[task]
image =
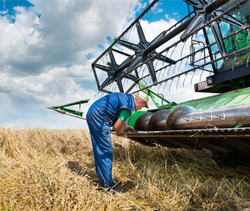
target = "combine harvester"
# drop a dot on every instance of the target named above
(211, 45)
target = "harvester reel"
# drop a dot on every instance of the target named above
(114, 71)
(141, 56)
(205, 11)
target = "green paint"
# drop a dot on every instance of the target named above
(75, 113)
(233, 98)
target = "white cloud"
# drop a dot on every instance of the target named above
(44, 56)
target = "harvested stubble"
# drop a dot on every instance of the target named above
(42, 169)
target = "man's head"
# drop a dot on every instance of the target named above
(141, 100)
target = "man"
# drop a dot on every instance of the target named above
(110, 110)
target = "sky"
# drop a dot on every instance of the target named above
(47, 48)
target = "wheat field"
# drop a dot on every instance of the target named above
(42, 169)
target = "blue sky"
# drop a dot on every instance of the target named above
(10, 4)
(7, 7)
(180, 8)
(172, 8)
(47, 48)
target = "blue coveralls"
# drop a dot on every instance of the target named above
(100, 117)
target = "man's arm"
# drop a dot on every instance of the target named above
(119, 125)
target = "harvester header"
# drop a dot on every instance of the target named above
(214, 32)
(208, 47)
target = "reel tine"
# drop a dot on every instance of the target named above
(165, 86)
(183, 47)
(201, 74)
(114, 87)
(111, 87)
(169, 69)
(108, 87)
(165, 71)
(174, 68)
(159, 73)
(159, 86)
(180, 65)
(192, 77)
(173, 50)
(139, 70)
(147, 79)
(170, 84)
(187, 62)
(184, 80)
(177, 82)
(96, 94)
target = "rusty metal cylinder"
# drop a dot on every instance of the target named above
(143, 121)
(175, 114)
(158, 120)
(222, 118)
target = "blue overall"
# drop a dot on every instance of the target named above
(100, 117)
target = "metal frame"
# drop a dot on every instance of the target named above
(206, 13)
(220, 139)
(70, 112)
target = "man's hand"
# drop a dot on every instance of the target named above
(121, 128)
(128, 129)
